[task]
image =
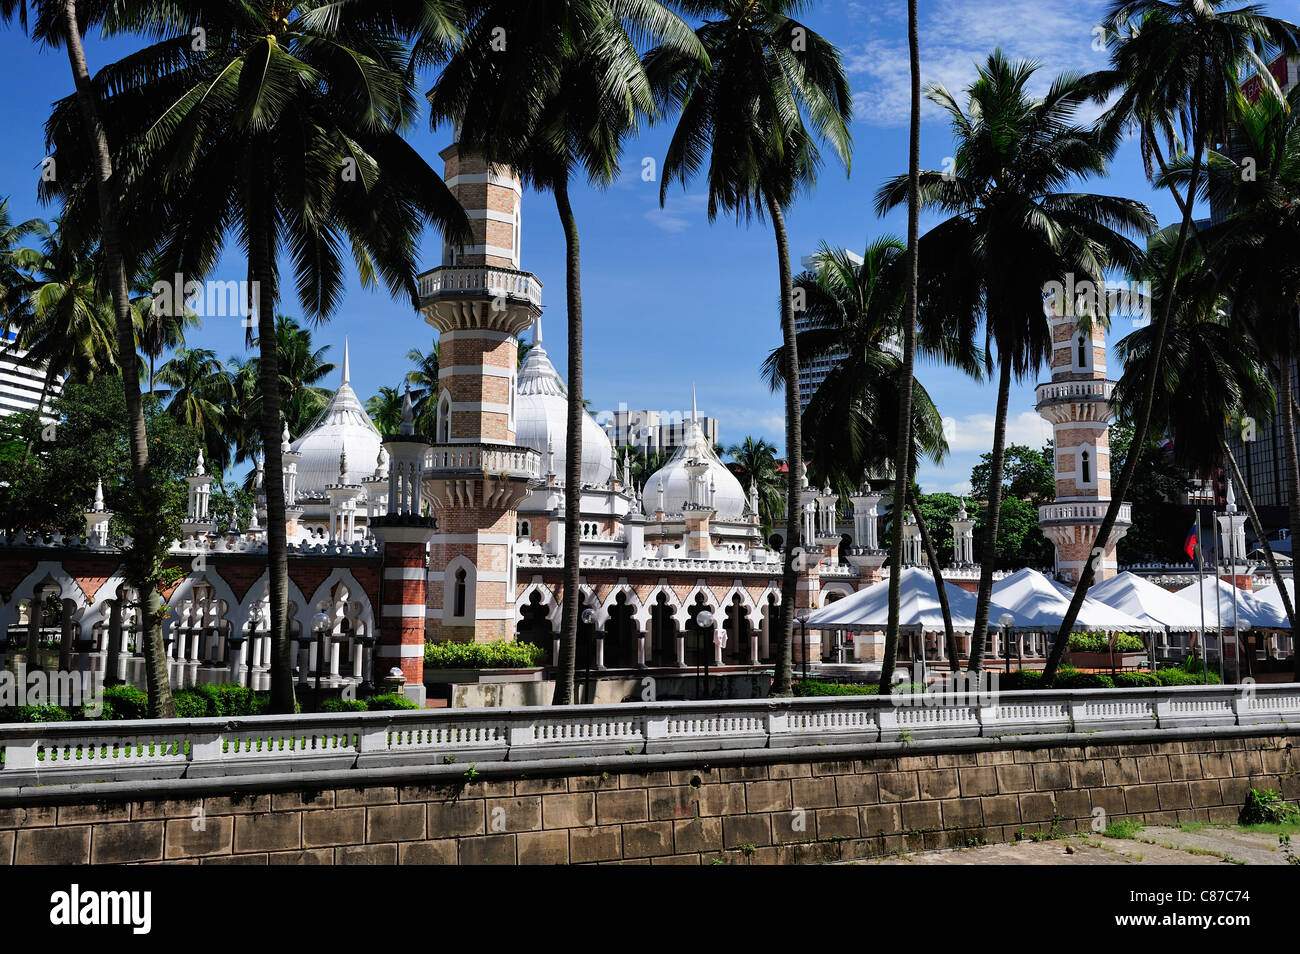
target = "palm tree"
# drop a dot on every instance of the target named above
(1176, 65)
(161, 327)
(1012, 230)
(755, 466)
(1212, 372)
(201, 394)
(423, 379)
(64, 322)
(771, 90)
(558, 101)
(13, 277)
(286, 132)
(385, 409)
(60, 23)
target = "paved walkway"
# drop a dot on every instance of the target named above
(1149, 846)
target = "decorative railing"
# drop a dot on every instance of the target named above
(46, 753)
(450, 281)
(1065, 512)
(1092, 390)
(484, 458)
(543, 561)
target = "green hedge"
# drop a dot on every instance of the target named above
(343, 705)
(814, 688)
(45, 713)
(498, 654)
(389, 700)
(1100, 643)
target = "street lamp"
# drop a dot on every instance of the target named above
(588, 618)
(704, 620)
(1007, 621)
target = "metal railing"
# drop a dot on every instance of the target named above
(47, 753)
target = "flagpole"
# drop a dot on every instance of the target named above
(1200, 587)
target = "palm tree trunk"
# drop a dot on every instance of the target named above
(993, 514)
(950, 637)
(40, 407)
(564, 677)
(782, 653)
(1289, 448)
(147, 567)
(903, 452)
(1258, 526)
(1143, 423)
(262, 267)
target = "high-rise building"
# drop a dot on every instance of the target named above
(22, 380)
(813, 371)
(655, 431)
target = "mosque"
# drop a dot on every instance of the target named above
(459, 535)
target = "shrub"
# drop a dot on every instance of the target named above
(1020, 679)
(497, 654)
(1135, 680)
(1178, 676)
(343, 705)
(125, 702)
(230, 700)
(190, 704)
(1267, 808)
(389, 700)
(45, 713)
(813, 688)
(1068, 677)
(1100, 643)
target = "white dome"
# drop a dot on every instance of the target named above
(541, 416)
(343, 426)
(728, 497)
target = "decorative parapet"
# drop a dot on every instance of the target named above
(1065, 513)
(463, 281)
(495, 459)
(546, 561)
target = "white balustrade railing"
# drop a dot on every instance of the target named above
(1054, 512)
(481, 279)
(1074, 391)
(46, 753)
(485, 458)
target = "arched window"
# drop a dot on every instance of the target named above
(459, 609)
(444, 418)
(1085, 467)
(524, 529)
(1083, 355)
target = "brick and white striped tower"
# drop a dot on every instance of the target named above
(479, 302)
(404, 532)
(1077, 403)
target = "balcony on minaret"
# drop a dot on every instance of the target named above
(1083, 400)
(487, 283)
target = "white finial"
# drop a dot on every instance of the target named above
(347, 364)
(284, 439)
(259, 466)
(408, 414)
(99, 496)
(380, 463)
(661, 493)
(343, 466)
(537, 332)
(627, 469)
(961, 509)
(1232, 498)
(550, 455)
(695, 418)
(198, 468)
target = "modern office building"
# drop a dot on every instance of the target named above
(21, 380)
(656, 430)
(812, 372)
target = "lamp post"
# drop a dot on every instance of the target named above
(320, 623)
(589, 619)
(703, 620)
(1007, 621)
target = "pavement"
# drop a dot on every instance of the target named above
(1191, 845)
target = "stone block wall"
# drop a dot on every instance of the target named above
(696, 810)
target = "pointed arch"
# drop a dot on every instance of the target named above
(751, 608)
(535, 585)
(699, 589)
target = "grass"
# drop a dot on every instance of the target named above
(1127, 828)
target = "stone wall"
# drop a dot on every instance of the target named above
(687, 809)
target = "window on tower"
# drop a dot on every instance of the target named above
(459, 609)
(1083, 356)
(1085, 467)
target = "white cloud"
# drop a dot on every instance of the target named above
(678, 214)
(974, 432)
(955, 35)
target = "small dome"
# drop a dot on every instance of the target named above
(728, 497)
(343, 427)
(541, 416)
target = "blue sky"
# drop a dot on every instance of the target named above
(671, 300)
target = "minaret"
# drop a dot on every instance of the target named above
(1077, 403)
(479, 302)
(963, 537)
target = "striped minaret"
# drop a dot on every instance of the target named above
(479, 302)
(1077, 403)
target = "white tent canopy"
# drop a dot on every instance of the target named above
(919, 610)
(1269, 601)
(1250, 612)
(1039, 605)
(1144, 600)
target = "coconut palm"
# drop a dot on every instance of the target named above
(13, 276)
(284, 131)
(1176, 67)
(200, 394)
(423, 380)
(755, 466)
(558, 101)
(61, 23)
(160, 326)
(385, 409)
(1012, 229)
(753, 116)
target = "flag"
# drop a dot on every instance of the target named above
(1190, 544)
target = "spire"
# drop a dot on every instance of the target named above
(347, 364)
(284, 439)
(1232, 498)
(695, 418)
(260, 469)
(198, 468)
(343, 466)
(961, 509)
(537, 332)
(99, 496)
(408, 414)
